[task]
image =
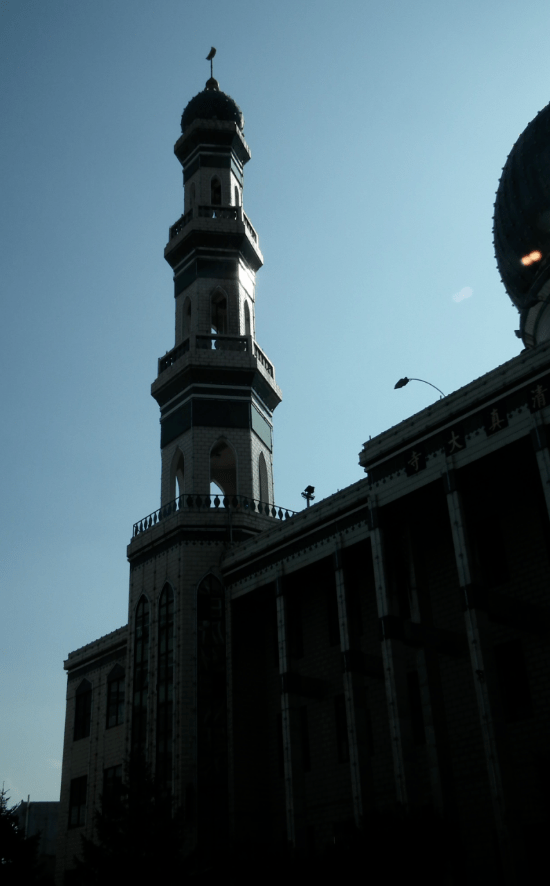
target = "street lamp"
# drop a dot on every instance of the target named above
(404, 381)
(308, 494)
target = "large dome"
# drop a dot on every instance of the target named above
(212, 104)
(522, 225)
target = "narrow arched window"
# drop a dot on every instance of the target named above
(237, 196)
(215, 192)
(218, 307)
(186, 318)
(223, 468)
(192, 194)
(83, 710)
(211, 682)
(177, 475)
(141, 675)
(262, 477)
(115, 696)
(165, 686)
(246, 319)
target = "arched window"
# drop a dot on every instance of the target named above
(141, 675)
(215, 192)
(83, 710)
(223, 468)
(237, 196)
(177, 475)
(263, 483)
(186, 318)
(165, 686)
(192, 194)
(218, 306)
(211, 693)
(115, 697)
(246, 319)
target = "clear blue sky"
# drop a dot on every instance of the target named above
(378, 133)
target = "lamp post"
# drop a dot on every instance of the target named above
(308, 494)
(405, 381)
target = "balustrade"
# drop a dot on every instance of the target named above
(220, 504)
(180, 224)
(258, 353)
(251, 230)
(222, 343)
(218, 212)
(171, 356)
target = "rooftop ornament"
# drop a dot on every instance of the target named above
(308, 495)
(405, 381)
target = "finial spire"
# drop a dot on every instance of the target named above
(209, 58)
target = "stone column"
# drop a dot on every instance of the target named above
(395, 676)
(474, 621)
(292, 746)
(354, 694)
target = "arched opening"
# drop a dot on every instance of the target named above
(211, 705)
(215, 191)
(246, 319)
(115, 696)
(83, 710)
(165, 686)
(186, 318)
(237, 195)
(223, 468)
(193, 194)
(218, 312)
(141, 676)
(263, 482)
(177, 475)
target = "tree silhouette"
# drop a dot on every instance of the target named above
(138, 838)
(18, 854)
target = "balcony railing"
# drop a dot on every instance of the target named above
(258, 353)
(212, 505)
(251, 230)
(222, 343)
(180, 224)
(214, 343)
(219, 212)
(232, 213)
(171, 356)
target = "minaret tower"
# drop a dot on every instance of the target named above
(216, 389)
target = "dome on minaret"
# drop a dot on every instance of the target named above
(212, 104)
(522, 228)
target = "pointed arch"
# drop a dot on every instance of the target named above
(215, 191)
(141, 674)
(247, 327)
(186, 318)
(211, 685)
(165, 686)
(177, 475)
(115, 696)
(219, 320)
(83, 710)
(237, 196)
(223, 467)
(263, 483)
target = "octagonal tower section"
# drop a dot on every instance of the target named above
(216, 388)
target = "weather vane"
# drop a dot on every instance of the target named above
(209, 58)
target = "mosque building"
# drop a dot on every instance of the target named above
(289, 674)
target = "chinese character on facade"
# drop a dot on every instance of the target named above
(414, 461)
(538, 397)
(495, 421)
(454, 443)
